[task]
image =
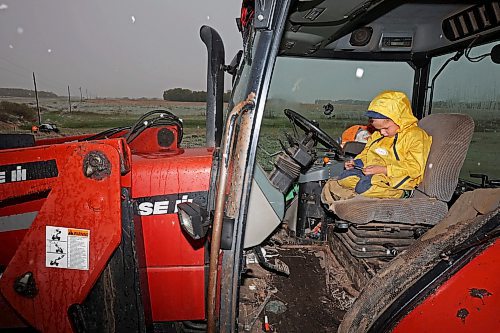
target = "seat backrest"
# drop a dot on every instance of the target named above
(451, 134)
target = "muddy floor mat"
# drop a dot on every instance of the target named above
(313, 298)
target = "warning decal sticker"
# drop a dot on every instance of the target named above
(67, 248)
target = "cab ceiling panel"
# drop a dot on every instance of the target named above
(407, 28)
(315, 28)
(311, 23)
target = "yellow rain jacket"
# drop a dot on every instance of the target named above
(404, 155)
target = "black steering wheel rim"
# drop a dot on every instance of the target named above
(320, 135)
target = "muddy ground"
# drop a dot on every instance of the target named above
(313, 298)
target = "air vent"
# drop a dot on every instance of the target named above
(472, 21)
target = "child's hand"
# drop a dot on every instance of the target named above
(349, 164)
(375, 169)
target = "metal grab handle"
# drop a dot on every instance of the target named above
(233, 116)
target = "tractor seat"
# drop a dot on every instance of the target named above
(374, 231)
(451, 135)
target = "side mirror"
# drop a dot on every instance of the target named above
(232, 68)
(495, 54)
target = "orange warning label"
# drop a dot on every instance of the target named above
(67, 248)
(78, 232)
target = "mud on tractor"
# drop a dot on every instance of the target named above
(129, 231)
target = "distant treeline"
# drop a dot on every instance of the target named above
(488, 105)
(485, 105)
(186, 95)
(341, 101)
(16, 92)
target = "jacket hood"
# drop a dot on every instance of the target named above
(396, 106)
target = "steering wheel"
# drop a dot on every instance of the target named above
(308, 126)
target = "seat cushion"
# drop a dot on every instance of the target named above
(362, 210)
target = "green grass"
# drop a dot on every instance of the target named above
(483, 156)
(88, 120)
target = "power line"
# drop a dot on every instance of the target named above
(28, 77)
(55, 84)
(14, 64)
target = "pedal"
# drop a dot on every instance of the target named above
(278, 267)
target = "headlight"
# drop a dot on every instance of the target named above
(187, 223)
(193, 219)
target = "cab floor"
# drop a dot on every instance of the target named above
(314, 297)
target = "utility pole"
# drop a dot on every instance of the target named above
(69, 99)
(37, 106)
(81, 96)
(87, 93)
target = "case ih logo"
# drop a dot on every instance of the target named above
(167, 204)
(15, 175)
(27, 171)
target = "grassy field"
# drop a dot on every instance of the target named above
(93, 116)
(96, 115)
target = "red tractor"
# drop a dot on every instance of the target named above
(128, 231)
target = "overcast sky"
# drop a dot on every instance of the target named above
(114, 48)
(139, 48)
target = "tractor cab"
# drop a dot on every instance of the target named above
(306, 73)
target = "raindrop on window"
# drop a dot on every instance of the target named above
(133, 18)
(478, 163)
(11, 46)
(49, 50)
(360, 72)
(3, 6)
(20, 30)
(208, 18)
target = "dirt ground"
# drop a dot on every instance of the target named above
(313, 298)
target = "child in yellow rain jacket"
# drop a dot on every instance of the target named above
(393, 161)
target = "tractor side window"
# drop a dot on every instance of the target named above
(473, 88)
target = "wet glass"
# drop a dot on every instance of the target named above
(473, 88)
